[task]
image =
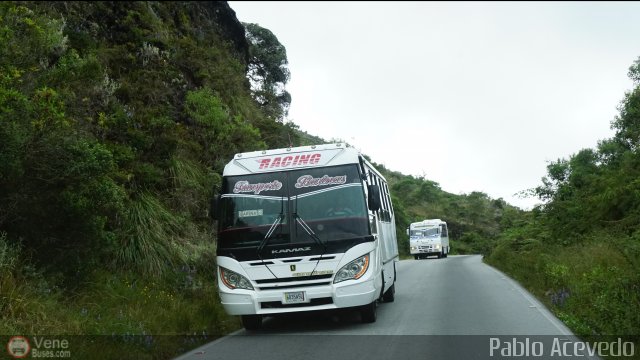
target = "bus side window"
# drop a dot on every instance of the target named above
(373, 223)
(384, 210)
(373, 181)
(444, 230)
(388, 196)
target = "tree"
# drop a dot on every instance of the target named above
(268, 71)
(627, 124)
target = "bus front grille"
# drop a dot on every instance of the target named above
(293, 286)
(280, 305)
(295, 278)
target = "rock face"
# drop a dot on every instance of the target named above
(230, 27)
(112, 20)
(219, 16)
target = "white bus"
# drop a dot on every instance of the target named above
(428, 237)
(303, 229)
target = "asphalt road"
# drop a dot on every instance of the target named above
(451, 308)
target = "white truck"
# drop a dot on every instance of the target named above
(428, 237)
(304, 229)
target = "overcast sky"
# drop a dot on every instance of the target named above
(476, 96)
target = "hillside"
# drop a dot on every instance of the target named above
(475, 220)
(116, 121)
(580, 251)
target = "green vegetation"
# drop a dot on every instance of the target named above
(268, 71)
(580, 252)
(116, 120)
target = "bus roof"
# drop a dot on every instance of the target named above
(293, 158)
(428, 222)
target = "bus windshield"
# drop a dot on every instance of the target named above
(429, 232)
(293, 207)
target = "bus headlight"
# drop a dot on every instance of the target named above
(353, 270)
(438, 247)
(233, 280)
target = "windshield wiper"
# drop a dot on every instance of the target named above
(308, 230)
(272, 229)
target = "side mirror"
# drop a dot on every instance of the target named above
(374, 197)
(214, 205)
(407, 231)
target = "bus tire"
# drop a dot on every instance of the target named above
(369, 312)
(252, 322)
(416, 257)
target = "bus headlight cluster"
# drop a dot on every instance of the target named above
(437, 246)
(233, 280)
(353, 270)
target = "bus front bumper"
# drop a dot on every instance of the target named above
(349, 293)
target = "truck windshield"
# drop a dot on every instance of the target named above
(329, 200)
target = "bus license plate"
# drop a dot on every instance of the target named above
(294, 297)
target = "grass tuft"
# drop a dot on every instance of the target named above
(150, 242)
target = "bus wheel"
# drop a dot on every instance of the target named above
(390, 295)
(416, 257)
(252, 322)
(369, 312)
